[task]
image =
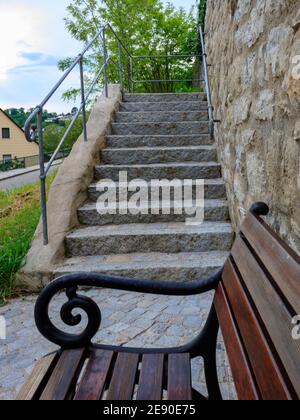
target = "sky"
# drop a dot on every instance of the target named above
(33, 39)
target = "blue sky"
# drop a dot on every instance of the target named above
(33, 39)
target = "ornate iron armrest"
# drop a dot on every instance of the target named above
(70, 284)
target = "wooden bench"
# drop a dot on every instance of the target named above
(257, 296)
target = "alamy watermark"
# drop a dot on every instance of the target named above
(2, 328)
(296, 67)
(296, 329)
(154, 197)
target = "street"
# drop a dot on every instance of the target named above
(23, 178)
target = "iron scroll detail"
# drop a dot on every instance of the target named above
(75, 302)
(70, 284)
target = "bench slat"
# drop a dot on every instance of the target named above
(281, 262)
(34, 382)
(151, 378)
(270, 381)
(244, 382)
(94, 379)
(179, 377)
(272, 310)
(64, 375)
(123, 380)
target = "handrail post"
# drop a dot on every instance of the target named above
(121, 64)
(83, 99)
(207, 84)
(105, 63)
(42, 176)
(131, 74)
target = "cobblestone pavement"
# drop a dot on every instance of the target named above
(128, 319)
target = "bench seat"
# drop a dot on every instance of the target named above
(256, 305)
(106, 375)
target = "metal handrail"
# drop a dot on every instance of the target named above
(207, 84)
(38, 111)
(168, 81)
(165, 56)
(79, 61)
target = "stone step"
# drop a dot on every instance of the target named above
(214, 210)
(149, 266)
(161, 116)
(133, 141)
(167, 128)
(148, 155)
(163, 106)
(203, 170)
(214, 189)
(157, 237)
(165, 97)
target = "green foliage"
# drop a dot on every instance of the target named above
(146, 28)
(202, 12)
(19, 216)
(53, 134)
(10, 165)
(20, 115)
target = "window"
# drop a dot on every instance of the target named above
(7, 158)
(5, 133)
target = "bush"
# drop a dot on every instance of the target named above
(10, 165)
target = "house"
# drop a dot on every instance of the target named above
(13, 143)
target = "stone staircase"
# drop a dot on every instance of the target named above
(162, 136)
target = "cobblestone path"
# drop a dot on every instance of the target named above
(128, 319)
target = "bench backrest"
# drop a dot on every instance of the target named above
(256, 304)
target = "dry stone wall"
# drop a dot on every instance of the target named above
(254, 49)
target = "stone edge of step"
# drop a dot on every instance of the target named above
(208, 204)
(140, 229)
(208, 147)
(212, 259)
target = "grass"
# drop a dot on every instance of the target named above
(19, 215)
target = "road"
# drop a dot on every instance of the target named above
(22, 179)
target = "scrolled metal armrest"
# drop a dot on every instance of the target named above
(70, 284)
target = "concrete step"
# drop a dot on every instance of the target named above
(214, 189)
(203, 170)
(165, 97)
(158, 237)
(214, 210)
(150, 266)
(161, 116)
(148, 155)
(163, 106)
(133, 141)
(160, 128)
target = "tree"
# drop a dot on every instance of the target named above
(202, 12)
(53, 134)
(19, 115)
(147, 28)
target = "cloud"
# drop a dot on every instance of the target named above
(31, 56)
(33, 62)
(28, 89)
(20, 28)
(34, 40)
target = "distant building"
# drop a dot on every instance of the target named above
(13, 143)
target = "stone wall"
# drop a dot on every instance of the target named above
(254, 49)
